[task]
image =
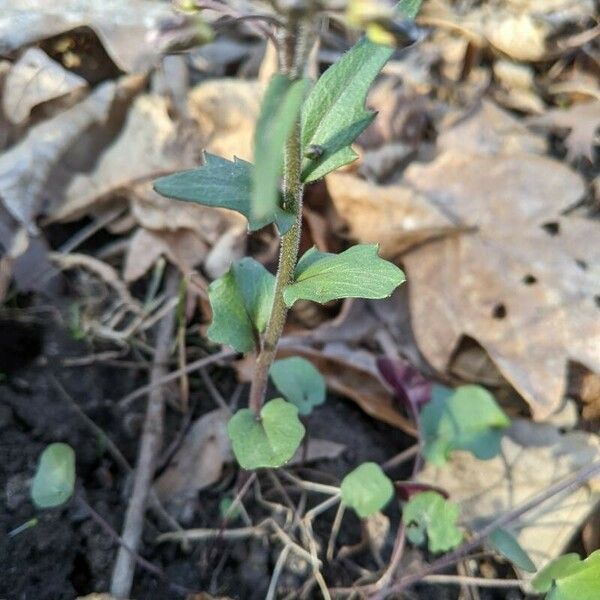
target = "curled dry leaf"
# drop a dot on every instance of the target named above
(581, 121)
(354, 374)
(534, 457)
(182, 247)
(523, 271)
(25, 167)
(150, 144)
(130, 41)
(34, 79)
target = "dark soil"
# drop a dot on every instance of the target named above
(67, 554)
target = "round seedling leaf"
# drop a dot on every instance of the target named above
(300, 383)
(466, 419)
(506, 544)
(582, 584)
(430, 516)
(268, 441)
(367, 489)
(54, 479)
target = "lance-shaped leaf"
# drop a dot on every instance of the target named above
(506, 544)
(278, 115)
(428, 516)
(269, 441)
(334, 113)
(367, 489)
(241, 302)
(299, 382)
(54, 479)
(224, 184)
(358, 272)
(466, 419)
(570, 578)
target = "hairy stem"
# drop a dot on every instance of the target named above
(292, 60)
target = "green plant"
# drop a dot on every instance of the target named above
(300, 136)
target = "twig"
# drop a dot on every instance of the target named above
(451, 558)
(193, 366)
(473, 581)
(401, 458)
(279, 565)
(335, 528)
(150, 444)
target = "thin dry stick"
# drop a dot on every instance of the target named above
(150, 444)
(279, 565)
(193, 366)
(472, 581)
(451, 558)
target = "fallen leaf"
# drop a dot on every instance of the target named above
(354, 374)
(523, 271)
(150, 144)
(487, 129)
(182, 248)
(129, 40)
(581, 121)
(522, 37)
(395, 217)
(534, 457)
(25, 167)
(34, 79)
(199, 461)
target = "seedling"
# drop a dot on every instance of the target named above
(302, 134)
(54, 478)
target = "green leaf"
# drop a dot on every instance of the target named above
(582, 583)
(299, 382)
(224, 184)
(241, 302)
(367, 489)
(429, 516)
(506, 544)
(279, 113)
(409, 8)
(561, 568)
(269, 441)
(54, 479)
(334, 114)
(469, 419)
(359, 272)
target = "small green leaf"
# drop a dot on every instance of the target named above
(334, 114)
(429, 516)
(299, 382)
(278, 115)
(359, 272)
(559, 568)
(409, 8)
(581, 584)
(269, 441)
(241, 302)
(367, 489)
(506, 544)
(54, 479)
(224, 184)
(469, 419)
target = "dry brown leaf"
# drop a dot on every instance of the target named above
(534, 456)
(182, 248)
(131, 41)
(34, 79)
(150, 144)
(395, 217)
(226, 111)
(487, 129)
(25, 167)
(523, 283)
(517, 87)
(581, 121)
(353, 373)
(522, 37)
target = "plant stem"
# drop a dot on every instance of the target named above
(293, 57)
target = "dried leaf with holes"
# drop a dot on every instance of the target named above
(522, 272)
(534, 457)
